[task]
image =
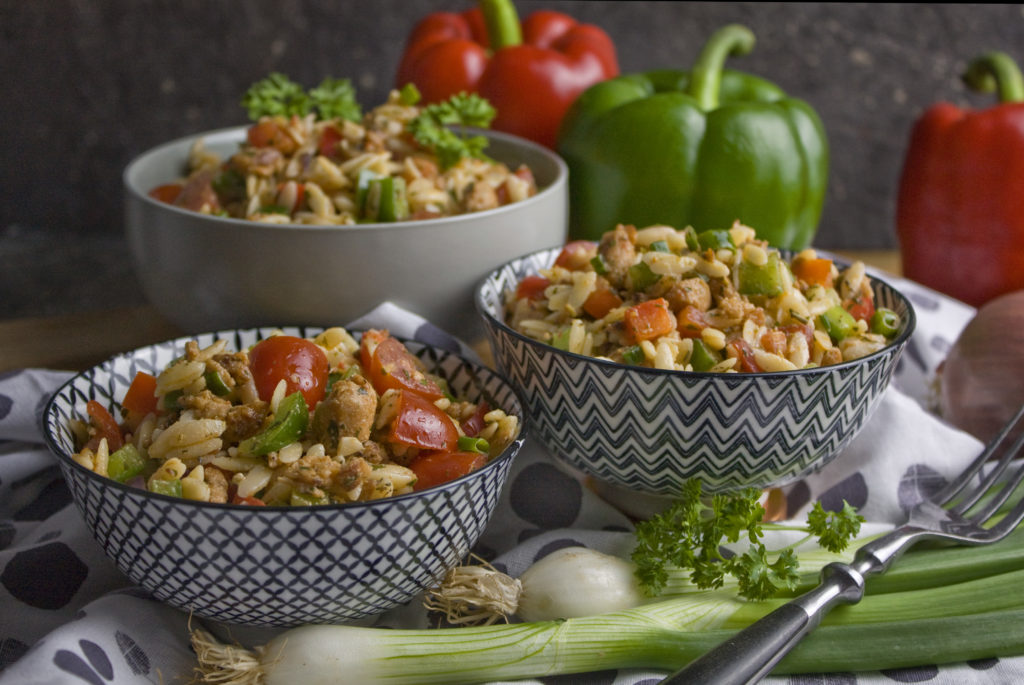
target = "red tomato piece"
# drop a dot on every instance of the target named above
(422, 425)
(862, 307)
(329, 139)
(269, 133)
(475, 423)
(600, 302)
(105, 425)
(532, 287)
(141, 396)
(168, 192)
(434, 468)
(300, 363)
(741, 349)
(814, 271)
(390, 366)
(648, 320)
(691, 321)
(576, 254)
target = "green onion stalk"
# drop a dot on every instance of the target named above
(937, 605)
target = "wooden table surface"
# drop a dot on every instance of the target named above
(78, 341)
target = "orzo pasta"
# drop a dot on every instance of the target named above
(304, 169)
(292, 421)
(715, 301)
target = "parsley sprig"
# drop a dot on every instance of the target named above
(690, 535)
(432, 127)
(279, 95)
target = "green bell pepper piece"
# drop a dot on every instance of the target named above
(838, 323)
(165, 487)
(126, 463)
(216, 384)
(633, 355)
(764, 279)
(386, 200)
(698, 148)
(703, 357)
(715, 240)
(642, 277)
(289, 425)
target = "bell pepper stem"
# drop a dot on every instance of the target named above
(706, 76)
(996, 72)
(502, 21)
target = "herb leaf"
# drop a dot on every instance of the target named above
(276, 95)
(431, 127)
(689, 534)
(336, 99)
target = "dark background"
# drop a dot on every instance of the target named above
(90, 84)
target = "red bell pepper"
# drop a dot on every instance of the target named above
(960, 215)
(530, 73)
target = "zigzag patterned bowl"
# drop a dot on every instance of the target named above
(279, 566)
(651, 430)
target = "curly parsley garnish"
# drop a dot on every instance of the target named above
(279, 95)
(691, 532)
(431, 128)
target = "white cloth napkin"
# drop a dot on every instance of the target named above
(67, 616)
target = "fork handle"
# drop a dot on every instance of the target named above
(750, 654)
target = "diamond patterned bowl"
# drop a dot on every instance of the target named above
(279, 566)
(651, 430)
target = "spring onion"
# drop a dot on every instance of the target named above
(974, 619)
(938, 605)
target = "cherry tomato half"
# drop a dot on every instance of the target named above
(390, 366)
(434, 468)
(421, 424)
(301, 363)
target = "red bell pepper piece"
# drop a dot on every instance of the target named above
(530, 73)
(959, 214)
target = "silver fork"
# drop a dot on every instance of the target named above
(750, 654)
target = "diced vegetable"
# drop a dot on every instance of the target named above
(171, 488)
(648, 320)
(105, 426)
(386, 200)
(838, 323)
(885, 322)
(715, 240)
(814, 271)
(600, 302)
(421, 424)
(289, 424)
(761, 279)
(435, 468)
(703, 357)
(126, 463)
(140, 399)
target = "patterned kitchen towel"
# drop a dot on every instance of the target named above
(68, 617)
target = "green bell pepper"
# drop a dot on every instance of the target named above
(289, 425)
(698, 148)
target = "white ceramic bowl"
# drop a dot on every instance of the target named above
(276, 565)
(205, 272)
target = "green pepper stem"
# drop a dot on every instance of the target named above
(502, 21)
(996, 71)
(706, 77)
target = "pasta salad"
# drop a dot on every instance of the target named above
(715, 301)
(292, 421)
(329, 164)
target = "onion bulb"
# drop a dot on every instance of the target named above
(981, 381)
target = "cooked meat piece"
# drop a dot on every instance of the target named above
(481, 196)
(347, 411)
(237, 366)
(206, 405)
(691, 291)
(619, 253)
(245, 420)
(218, 483)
